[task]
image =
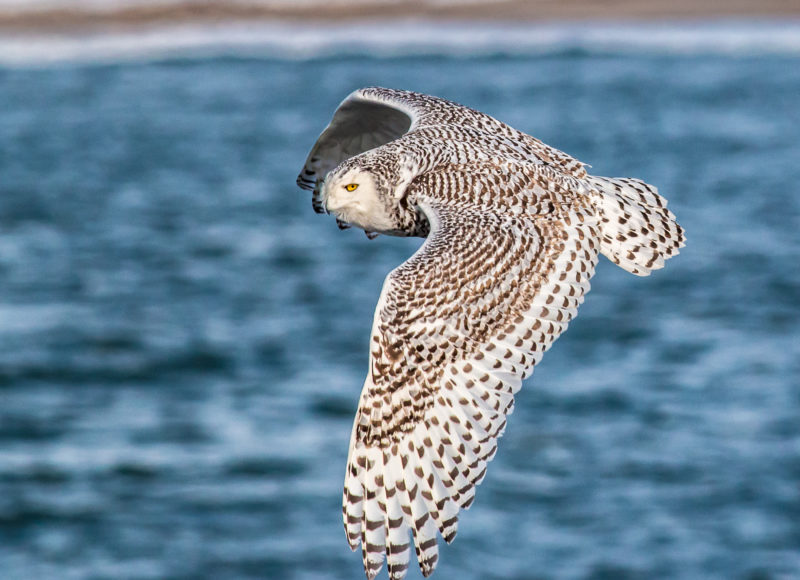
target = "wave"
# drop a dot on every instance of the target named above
(312, 41)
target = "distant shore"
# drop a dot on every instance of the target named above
(67, 20)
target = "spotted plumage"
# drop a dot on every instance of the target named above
(514, 229)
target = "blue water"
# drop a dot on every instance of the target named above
(183, 341)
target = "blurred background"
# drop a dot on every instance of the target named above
(183, 341)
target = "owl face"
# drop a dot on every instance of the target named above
(353, 196)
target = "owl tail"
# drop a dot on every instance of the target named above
(637, 231)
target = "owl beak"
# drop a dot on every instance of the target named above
(334, 202)
(330, 205)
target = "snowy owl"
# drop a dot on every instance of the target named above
(514, 229)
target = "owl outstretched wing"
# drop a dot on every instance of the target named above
(457, 328)
(374, 116)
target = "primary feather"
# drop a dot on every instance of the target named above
(514, 229)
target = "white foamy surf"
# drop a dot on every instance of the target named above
(408, 38)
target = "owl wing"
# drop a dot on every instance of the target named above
(457, 328)
(374, 116)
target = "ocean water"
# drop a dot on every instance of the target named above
(183, 341)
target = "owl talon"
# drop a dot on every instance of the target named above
(371, 235)
(342, 225)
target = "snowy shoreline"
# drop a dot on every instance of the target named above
(69, 16)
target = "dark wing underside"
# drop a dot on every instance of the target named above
(359, 124)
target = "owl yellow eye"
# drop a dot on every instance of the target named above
(351, 186)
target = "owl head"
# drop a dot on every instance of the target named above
(359, 194)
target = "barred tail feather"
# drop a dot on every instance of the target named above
(637, 231)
